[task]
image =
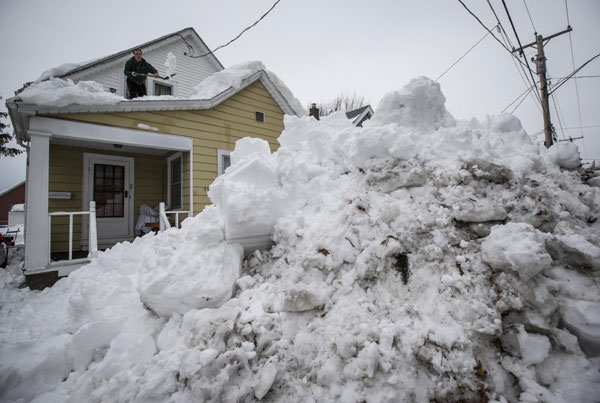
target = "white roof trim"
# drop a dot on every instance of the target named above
(113, 135)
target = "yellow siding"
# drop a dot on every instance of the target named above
(218, 128)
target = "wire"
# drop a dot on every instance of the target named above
(523, 94)
(558, 115)
(561, 82)
(573, 62)
(529, 14)
(521, 47)
(486, 28)
(236, 38)
(460, 58)
(519, 104)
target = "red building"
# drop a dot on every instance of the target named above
(14, 195)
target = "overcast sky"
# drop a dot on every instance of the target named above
(321, 48)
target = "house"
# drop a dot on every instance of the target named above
(10, 197)
(92, 166)
(357, 116)
(360, 115)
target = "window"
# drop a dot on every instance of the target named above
(223, 161)
(109, 189)
(162, 89)
(175, 185)
(260, 117)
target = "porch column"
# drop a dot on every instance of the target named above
(37, 231)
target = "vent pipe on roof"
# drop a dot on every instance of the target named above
(314, 111)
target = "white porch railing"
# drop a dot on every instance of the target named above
(92, 231)
(164, 219)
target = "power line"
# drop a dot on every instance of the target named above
(529, 14)
(573, 62)
(234, 39)
(558, 115)
(561, 82)
(523, 94)
(460, 58)
(520, 46)
(520, 67)
(486, 28)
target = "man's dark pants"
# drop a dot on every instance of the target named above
(136, 90)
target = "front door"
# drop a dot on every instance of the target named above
(109, 182)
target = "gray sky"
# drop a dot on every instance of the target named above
(321, 48)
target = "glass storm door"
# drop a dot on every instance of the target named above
(109, 184)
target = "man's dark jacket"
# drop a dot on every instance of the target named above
(143, 67)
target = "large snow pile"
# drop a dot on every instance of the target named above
(416, 259)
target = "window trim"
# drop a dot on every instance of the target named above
(150, 85)
(169, 160)
(264, 117)
(220, 154)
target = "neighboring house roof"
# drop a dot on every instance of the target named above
(119, 57)
(360, 115)
(12, 188)
(20, 112)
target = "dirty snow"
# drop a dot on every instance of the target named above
(419, 259)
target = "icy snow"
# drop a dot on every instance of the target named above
(419, 258)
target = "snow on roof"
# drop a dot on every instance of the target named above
(418, 258)
(57, 93)
(61, 70)
(233, 76)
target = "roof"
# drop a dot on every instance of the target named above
(127, 52)
(12, 188)
(20, 112)
(358, 116)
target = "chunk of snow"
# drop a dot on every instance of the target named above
(583, 319)
(419, 105)
(565, 155)
(59, 93)
(147, 127)
(170, 64)
(518, 247)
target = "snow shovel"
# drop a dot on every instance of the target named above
(149, 75)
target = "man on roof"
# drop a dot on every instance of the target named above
(136, 70)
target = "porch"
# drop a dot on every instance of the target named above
(87, 184)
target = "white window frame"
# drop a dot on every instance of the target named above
(169, 159)
(220, 166)
(150, 85)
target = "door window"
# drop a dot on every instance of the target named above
(109, 190)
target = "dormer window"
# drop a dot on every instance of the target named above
(162, 89)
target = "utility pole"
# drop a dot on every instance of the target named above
(540, 63)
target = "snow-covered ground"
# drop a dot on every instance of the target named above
(416, 259)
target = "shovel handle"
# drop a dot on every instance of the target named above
(149, 75)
